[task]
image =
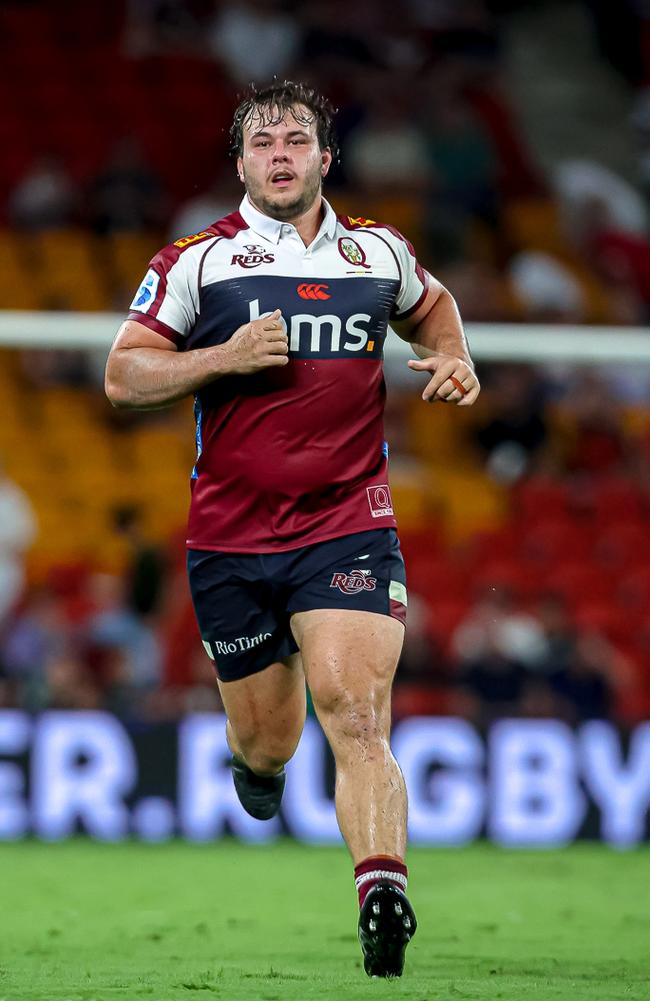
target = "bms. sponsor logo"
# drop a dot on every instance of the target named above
(355, 581)
(327, 333)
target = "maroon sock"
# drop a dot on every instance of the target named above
(376, 868)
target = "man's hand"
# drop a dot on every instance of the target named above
(259, 344)
(453, 380)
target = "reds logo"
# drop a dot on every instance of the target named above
(306, 291)
(356, 580)
(255, 256)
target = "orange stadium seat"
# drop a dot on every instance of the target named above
(128, 256)
(68, 273)
(534, 222)
(468, 501)
(17, 287)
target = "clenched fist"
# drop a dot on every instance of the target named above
(259, 344)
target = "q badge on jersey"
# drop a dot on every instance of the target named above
(147, 291)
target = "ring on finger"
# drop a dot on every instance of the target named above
(458, 384)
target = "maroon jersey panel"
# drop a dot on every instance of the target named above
(302, 461)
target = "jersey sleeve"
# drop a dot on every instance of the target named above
(414, 280)
(167, 299)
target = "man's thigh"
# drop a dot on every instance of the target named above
(349, 658)
(269, 706)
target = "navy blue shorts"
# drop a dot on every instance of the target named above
(243, 602)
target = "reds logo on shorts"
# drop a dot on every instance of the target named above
(356, 580)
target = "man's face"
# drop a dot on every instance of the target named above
(282, 166)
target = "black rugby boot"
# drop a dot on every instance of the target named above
(386, 926)
(260, 795)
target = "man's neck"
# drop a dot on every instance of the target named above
(309, 222)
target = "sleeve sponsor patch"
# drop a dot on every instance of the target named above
(186, 240)
(147, 292)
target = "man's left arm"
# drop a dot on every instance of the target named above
(435, 332)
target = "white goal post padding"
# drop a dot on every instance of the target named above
(513, 342)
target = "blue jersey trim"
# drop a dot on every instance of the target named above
(198, 435)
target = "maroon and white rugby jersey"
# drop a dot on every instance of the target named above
(294, 455)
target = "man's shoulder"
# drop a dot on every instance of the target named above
(196, 244)
(360, 224)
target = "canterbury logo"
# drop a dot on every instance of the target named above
(313, 291)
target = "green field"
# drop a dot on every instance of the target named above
(86, 921)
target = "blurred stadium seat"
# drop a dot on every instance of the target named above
(71, 83)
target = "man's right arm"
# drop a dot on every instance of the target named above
(144, 370)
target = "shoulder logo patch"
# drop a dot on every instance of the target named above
(360, 221)
(146, 294)
(185, 240)
(351, 252)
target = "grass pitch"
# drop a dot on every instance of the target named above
(85, 921)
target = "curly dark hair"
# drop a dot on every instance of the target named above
(274, 102)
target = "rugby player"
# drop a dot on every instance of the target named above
(274, 319)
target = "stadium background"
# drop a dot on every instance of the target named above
(510, 141)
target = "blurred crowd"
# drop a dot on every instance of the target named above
(90, 640)
(432, 141)
(429, 135)
(543, 614)
(87, 640)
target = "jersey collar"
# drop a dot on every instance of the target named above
(272, 229)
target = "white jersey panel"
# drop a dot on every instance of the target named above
(414, 281)
(179, 308)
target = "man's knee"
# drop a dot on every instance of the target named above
(353, 721)
(264, 763)
(265, 754)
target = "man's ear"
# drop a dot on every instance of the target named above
(240, 169)
(326, 161)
